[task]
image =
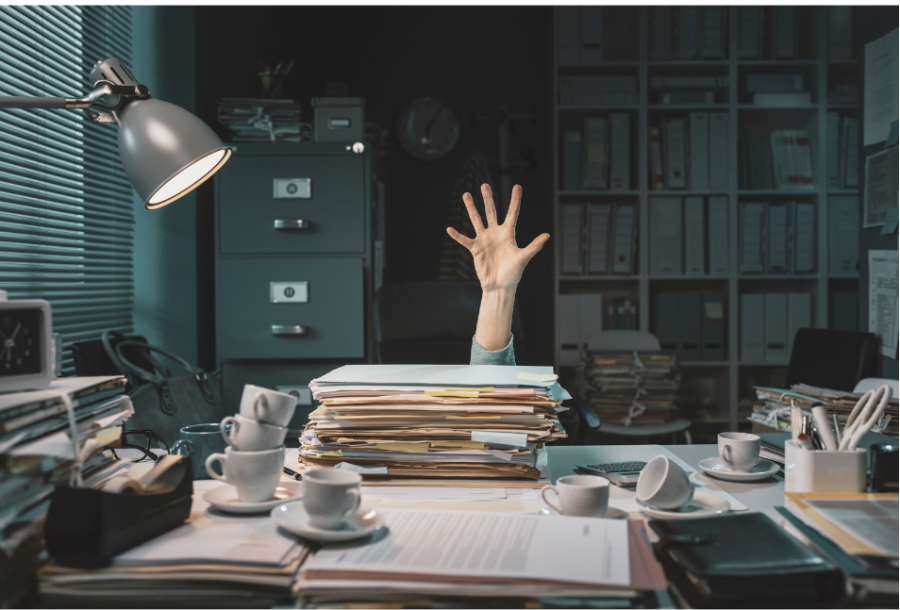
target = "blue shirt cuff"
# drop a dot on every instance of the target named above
(505, 356)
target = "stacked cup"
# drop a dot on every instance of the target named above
(254, 460)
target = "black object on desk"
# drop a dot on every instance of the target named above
(885, 464)
(744, 561)
(86, 528)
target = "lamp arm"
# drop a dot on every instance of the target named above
(91, 99)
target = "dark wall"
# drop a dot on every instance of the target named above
(471, 57)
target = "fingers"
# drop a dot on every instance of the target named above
(474, 216)
(489, 210)
(535, 246)
(512, 216)
(459, 238)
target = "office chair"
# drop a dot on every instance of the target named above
(834, 359)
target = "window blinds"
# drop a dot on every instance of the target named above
(66, 216)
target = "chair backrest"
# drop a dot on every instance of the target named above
(619, 340)
(835, 359)
(432, 322)
(873, 383)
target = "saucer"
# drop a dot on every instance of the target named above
(715, 467)
(704, 504)
(225, 498)
(611, 513)
(294, 518)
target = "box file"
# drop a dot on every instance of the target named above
(718, 235)
(777, 230)
(749, 31)
(596, 156)
(569, 35)
(661, 33)
(657, 180)
(591, 317)
(572, 160)
(694, 237)
(799, 313)
(850, 146)
(785, 32)
(620, 152)
(599, 215)
(713, 328)
(591, 34)
(699, 146)
(667, 321)
(752, 327)
(776, 328)
(569, 328)
(751, 230)
(625, 238)
(833, 139)
(665, 236)
(572, 214)
(719, 169)
(673, 148)
(713, 41)
(687, 32)
(840, 33)
(689, 305)
(804, 234)
(843, 235)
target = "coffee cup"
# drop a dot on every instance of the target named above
(244, 434)
(739, 451)
(662, 484)
(267, 406)
(580, 495)
(199, 441)
(255, 474)
(330, 497)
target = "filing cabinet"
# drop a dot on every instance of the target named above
(293, 266)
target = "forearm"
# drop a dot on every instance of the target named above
(495, 318)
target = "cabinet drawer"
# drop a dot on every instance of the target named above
(288, 205)
(289, 308)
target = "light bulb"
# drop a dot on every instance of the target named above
(188, 179)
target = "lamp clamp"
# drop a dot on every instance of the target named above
(91, 102)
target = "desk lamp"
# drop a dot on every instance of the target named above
(167, 152)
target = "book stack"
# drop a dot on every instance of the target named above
(36, 456)
(781, 163)
(633, 388)
(598, 91)
(778, 89)
(843, 151)
(262, 120)
(421, 421)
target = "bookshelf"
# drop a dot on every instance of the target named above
(730, 381)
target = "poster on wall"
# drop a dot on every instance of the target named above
(883, 299)
(882, 172)
(880, 95)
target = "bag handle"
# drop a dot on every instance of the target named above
(114, 357)
(159, 381)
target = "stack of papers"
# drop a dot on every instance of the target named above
(633, 388)
(775, 412)
(261, 120)
(425, 555)
(433, 421)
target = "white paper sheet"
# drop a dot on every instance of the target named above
(880, 95)
(468, 543)
(442, 376)
(881, 187)
(883, 299)
(872, 521)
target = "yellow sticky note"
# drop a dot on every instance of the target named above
(596, 153)
(714, 311)
(458, 444)
(535, 377)
(337, 453)
(105, 437)
(404, 447)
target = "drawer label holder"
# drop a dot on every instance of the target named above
(289, 292)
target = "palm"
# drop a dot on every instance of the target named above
(499, 262)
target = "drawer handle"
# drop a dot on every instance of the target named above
(291, 225)
(280, 330)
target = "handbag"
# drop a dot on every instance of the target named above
(164, 402)
(97, 357)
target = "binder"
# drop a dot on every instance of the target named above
(752, 327)
(694, 237)
(569, 39)
(699, 146)
(572, 160)
(657, 180)
(687, 32)
(667, 321)
(591, 34)
(713, 39)
(850, 148)
(777, 230)
(620, 162)
(776, 327)
(625, 238)
(752, 225)
(596, 157)
(598, 238)
(840, 33)
(718, 236)
(843, 235)
(712, 331)
(665, 236)
(749, 31)
(569, 328)
(799, 313)
(689, 326)
(673, 149)
(591, 306)
(571, 238)
(804, 236)
(833, 140)
(785, 32)
(661, 30)
(719, 168)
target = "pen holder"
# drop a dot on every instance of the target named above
(815, 470)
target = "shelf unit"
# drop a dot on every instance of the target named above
(730, 378)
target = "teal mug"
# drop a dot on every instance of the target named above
(200, 441)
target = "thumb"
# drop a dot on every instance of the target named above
(535, 246)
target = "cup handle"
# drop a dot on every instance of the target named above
(235, 426)
(355, 507)
(180, 444)
(260, 402)
(726, 451)
(220, 457)
(544, 491)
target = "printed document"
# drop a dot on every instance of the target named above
(883, 299)
(881, 187)
(880, 95)
(871, 521)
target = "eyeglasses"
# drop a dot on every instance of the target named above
(146, 437)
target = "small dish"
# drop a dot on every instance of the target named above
(294, 518)
(225, 498)
(704, 504)
(611, 513)
(715, 467)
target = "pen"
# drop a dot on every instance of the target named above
(293, 473)
(821, 418)
(837, 427)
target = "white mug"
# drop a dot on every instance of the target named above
(662, 484)
(255, 474)
(250, 435)
(580, 495)
(739, 451)
(330, 496)
(267, 406)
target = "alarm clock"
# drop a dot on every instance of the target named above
(427, 129)
(26, 344)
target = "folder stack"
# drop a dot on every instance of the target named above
(262, 120)
(633, 388)
(425, 421)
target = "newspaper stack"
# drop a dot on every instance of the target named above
(426, 421)
(262, 120)
(634, 388)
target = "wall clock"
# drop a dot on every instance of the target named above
(26, 359)
(427, 129)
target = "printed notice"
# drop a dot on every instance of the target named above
(880, 96)
(881, 187)
(883, 299)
